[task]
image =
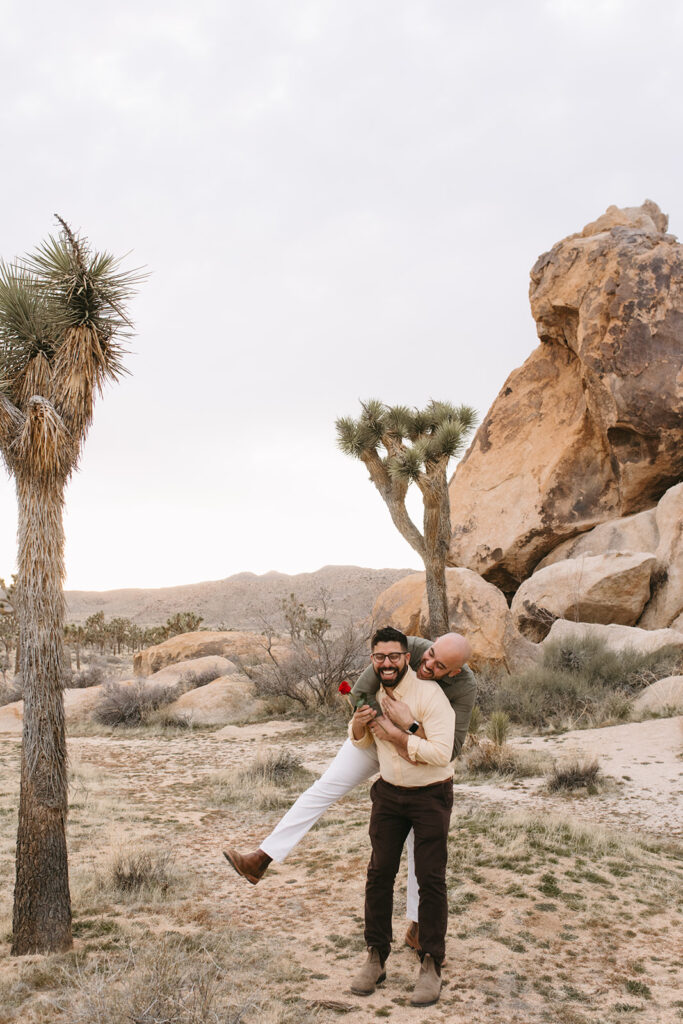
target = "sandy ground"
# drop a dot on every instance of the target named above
(311, 905)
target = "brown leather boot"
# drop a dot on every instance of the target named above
(413, 936)
(370, 974)
(251, 866)
(428, 987)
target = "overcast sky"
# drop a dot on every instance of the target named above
(336, 200)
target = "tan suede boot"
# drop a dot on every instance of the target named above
(428, 987)
(370, 975)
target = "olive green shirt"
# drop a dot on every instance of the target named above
(461, 689)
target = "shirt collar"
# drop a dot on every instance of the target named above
(403, 686)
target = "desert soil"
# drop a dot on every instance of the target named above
(549, 922)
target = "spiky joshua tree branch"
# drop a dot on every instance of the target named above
(400, 446)
(62, 338)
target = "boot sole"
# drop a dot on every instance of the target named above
(364, 992)
(252, 879)
(429, 1002)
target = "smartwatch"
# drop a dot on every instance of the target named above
(414, 727)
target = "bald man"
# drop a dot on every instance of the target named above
(444, 661)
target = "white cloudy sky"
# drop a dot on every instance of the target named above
(337, 199)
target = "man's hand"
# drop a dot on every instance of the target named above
(398, 711)
(362, 717)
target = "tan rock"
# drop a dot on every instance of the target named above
(601, 588)
(630, 533)
(217, 703)
(173, 674)
(590, 428)
(228, 644)
(678, 623)
(476, 609)
(400, 605)
(78, 704)
(11, 717)
(616, 638)
(666, 695)
(666, 603)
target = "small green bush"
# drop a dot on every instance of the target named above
(498, 727)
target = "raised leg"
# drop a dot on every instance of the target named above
(351, 766)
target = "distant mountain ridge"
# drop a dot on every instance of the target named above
(244, 600)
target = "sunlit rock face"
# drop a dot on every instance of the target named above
(590, 427)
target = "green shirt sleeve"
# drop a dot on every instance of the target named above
(461, 691)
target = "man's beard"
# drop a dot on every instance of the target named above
(389, 684)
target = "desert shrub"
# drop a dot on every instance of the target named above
(498, 727)
(121, 705)
(266, 783)
(280, 769)
(192, 679)
(318, 659)
(141, 872)
(488, 758)
(576, 773)
(94, 675)
(178, 979)
(579, 681)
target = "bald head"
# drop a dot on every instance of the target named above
(445, 657)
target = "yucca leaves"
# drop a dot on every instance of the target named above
(414, 439)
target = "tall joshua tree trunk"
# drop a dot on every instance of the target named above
(434, 557)
(42, 905)
(61, 320)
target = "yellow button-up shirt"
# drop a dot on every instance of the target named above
(430, 758)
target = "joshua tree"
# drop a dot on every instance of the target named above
(62, 331)
(401, 446)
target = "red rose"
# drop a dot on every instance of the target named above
(344, 687)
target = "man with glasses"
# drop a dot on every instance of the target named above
(414, 792)
(444, 661)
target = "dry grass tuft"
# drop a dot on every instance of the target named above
(486, 758)
(577, 773)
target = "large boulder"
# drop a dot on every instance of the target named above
(476, 609)
(217, 703)
(616, 638)
(230, 644)
(659, 531)
(590, 428)
(600, 588)
(666, 604)
(663, 697)
(630, 533)
(193, 671)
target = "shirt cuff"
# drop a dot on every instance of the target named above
(413, 747)
(364, 741)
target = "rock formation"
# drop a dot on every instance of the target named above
(658, 531)
(616, 638)
(613, 587)
(590, 428)
(476, 609)
(663, 697)
(229, 644)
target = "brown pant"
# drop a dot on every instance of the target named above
(395, 810)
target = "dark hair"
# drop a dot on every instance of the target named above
(387, 635)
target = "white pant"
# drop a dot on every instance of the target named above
(351, 766)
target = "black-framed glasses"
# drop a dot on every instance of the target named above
(393, 658)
